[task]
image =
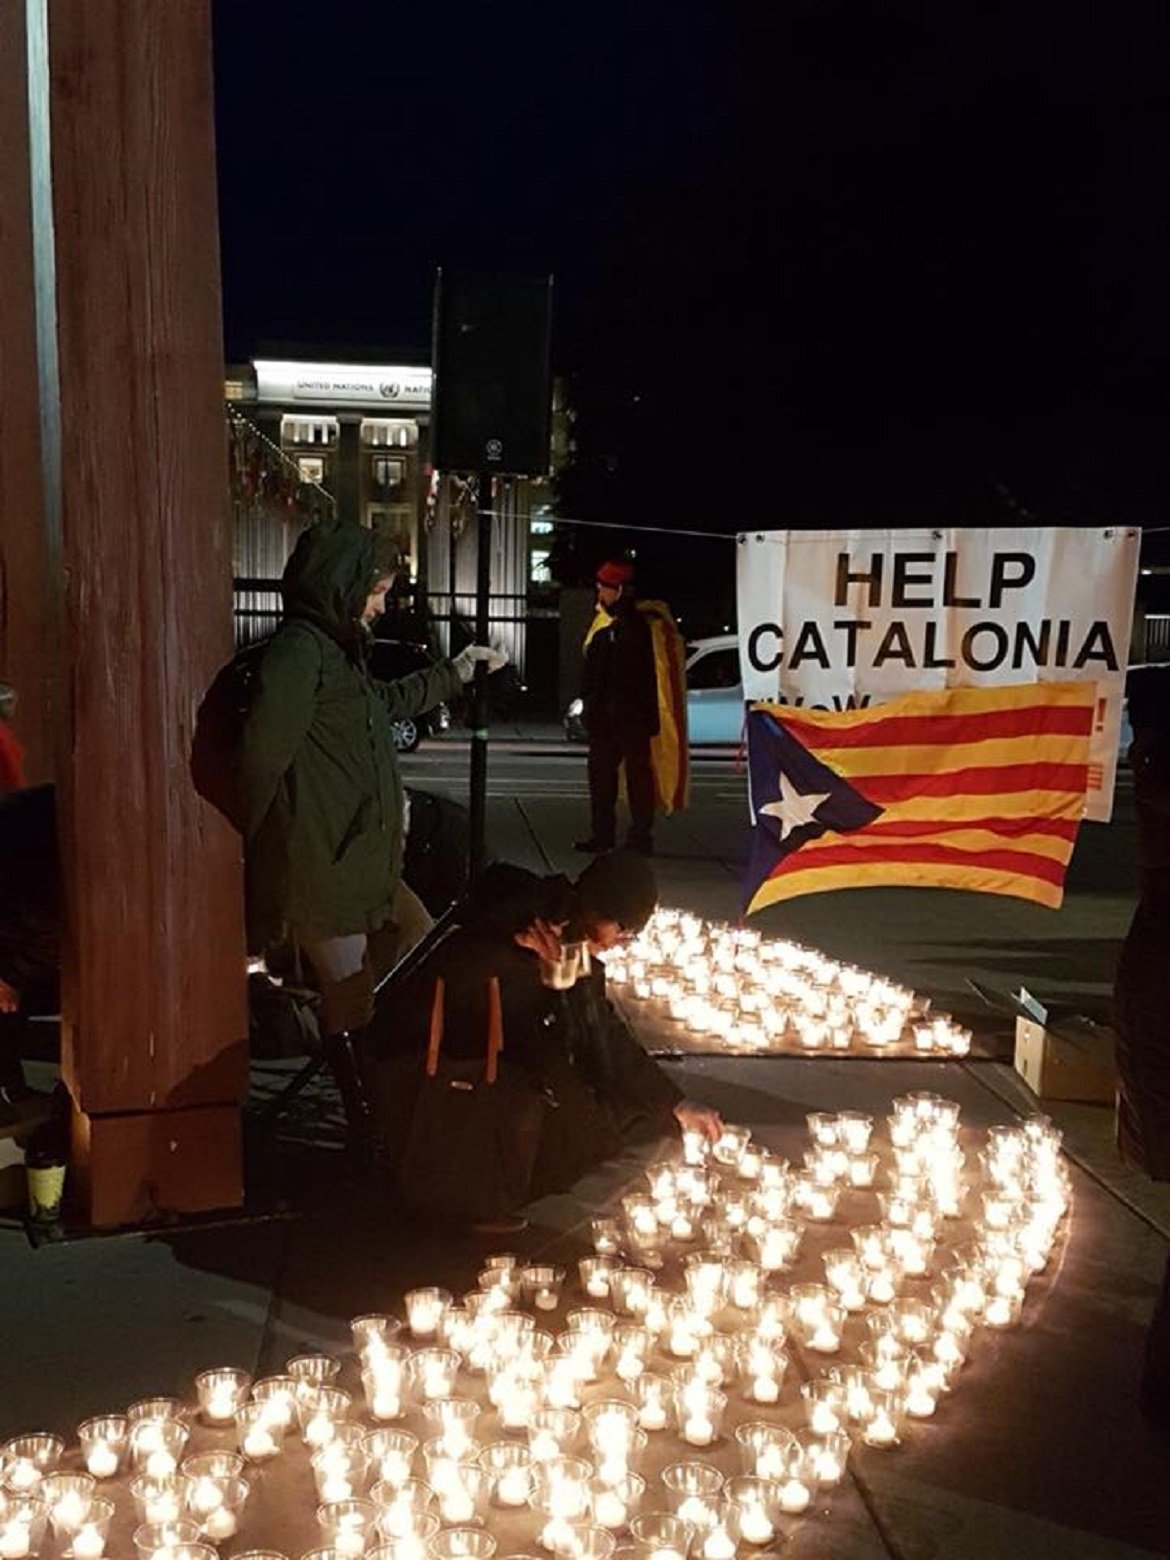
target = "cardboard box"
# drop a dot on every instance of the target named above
(1073, 1062)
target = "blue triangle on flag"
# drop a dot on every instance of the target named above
(784, 778)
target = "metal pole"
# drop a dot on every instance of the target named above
(479, 731)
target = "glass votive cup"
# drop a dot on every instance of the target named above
(762, 1364)
(630, 1289)
(220, 1393)
(452, 1422)
(160, 1498)
(584, 1541)
(693, 1492)
(1002, 1311)
(611, 1505)
(213, 1465)
(348, 1526)
(462, 1544)
(67, 1498)
(654, 1396)
(730, 1144)
(561, 1494)
(815, 1317)
(156, 1445)
(763, 1448)
(403, 1512)
(320, 1411)
(746, 1283)
(220, 1521)
(431, 1374)
(861, 1170)
(553, 1432)
(372, 1329)
(508, 1466)
(846, 1276)
(259, 1554)
(279, 1396)
(757, 1504)
(391, 1454)
(594, 1273)
(103, 1444)
(825, 1407)
(883, 1428)
(158, 1539)
(339, 1473)
(88, 1540)
(698, 1412)
(258, 1435)
(607, 1236)
(720, 1541)
(23, 1519)
(630, 1348)
(464, 1493)
(662, 1534)
(384, 1383)
(541, 1285)
(828, 1455)
(424, 1310)
(312, 1370)
(775, 1245)
(26, 1459)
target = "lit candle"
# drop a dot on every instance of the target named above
(794, 1495)
(755, 1524)
(15, 1540)
(698, 1430)
(652, 1415)
(260, 1443)
(88, 1543)
(220, 1524)
(512, 1487)
(101, 1460)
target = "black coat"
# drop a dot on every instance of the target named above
(619, 685)
(599, 1087)
(30, 924)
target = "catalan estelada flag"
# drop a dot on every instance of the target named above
(976, 788)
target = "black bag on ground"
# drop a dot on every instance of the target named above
(462, 1135)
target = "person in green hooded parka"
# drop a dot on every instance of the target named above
(322, 800)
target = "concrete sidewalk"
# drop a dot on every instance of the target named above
(1039, 1451)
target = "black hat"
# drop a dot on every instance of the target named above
(619, 886)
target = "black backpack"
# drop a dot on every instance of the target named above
(219, 725)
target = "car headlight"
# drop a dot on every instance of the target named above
(576, 709)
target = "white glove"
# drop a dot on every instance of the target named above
(465, 662)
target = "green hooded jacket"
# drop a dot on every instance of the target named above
(322, 793)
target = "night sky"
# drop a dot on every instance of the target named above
(816, 263)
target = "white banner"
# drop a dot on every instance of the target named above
(841, 619)
(342, 384)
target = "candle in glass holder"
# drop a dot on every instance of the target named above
(103, 1444)
(542, 1286)
(692, 1492)
(156, 1445)
(699, 1413)
(816, 1317)
(67, 1498)
(551, 1432)
(755, 1502)
(509, 1470)
(90, 1538)
(348, 1525)
(654, 1396)
(424, 1308)
(221, 1392)
(258, 1436)
(594, 1273)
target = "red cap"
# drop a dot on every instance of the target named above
(616, 573)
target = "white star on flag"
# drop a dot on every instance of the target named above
(794, 808)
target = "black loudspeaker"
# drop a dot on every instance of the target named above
(490, 355)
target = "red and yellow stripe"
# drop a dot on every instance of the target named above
(982, 789)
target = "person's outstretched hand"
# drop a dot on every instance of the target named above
(693, 1117)
(465, 662)
(9, 998)
(542, 937)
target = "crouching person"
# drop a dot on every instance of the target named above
(500, 1071)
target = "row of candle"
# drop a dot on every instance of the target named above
(734, 985)
(726, 1331)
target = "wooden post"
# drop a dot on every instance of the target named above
(154, 1033)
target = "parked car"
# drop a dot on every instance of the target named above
(393, 658)
(715, 713)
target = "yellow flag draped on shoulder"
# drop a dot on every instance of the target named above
(668, 750)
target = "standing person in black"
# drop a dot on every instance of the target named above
(619, 694)
(1142, 997)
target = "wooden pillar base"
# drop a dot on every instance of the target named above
(146, 1165)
